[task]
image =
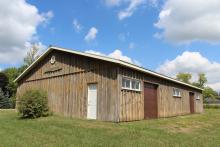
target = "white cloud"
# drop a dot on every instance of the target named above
(193, 62)
(77, 26)
(91, 35)
(134, 4)
(190, 20)
(17, 54)
(215, 86)
(46, 17)
(18, 25)
(116, 54)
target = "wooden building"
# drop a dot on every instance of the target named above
(85, 85)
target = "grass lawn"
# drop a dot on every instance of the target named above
(188, 131)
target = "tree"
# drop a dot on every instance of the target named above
(209, 93)
(3, 80)
(202, 80)
(4, 100)
(32, 55)
(12, 74)
(184, 77)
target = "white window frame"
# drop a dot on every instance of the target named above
(177, 92)
(130, 85)
(126, 79)
(197, 96)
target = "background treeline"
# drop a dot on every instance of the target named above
(8, 87)
(209, 94)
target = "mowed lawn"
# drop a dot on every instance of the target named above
(187, 131)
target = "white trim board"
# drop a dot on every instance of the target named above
(104, 58)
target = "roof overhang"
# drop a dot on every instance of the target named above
(104, 58)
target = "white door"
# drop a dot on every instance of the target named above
(92, 101)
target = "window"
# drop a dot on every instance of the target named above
(197, 97)
(135, 85)
(131, 84)
(126, 83)
(176, 92)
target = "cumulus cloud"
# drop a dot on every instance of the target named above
(18, 25)
(131, 6)
(77, 26)
(91, 35)
(18, 54)
(116, 54)
(190, 20)
(194, 63)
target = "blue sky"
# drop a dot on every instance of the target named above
(133, 34)
(113, 33)
(148, 50)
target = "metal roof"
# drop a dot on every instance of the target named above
(104, 58)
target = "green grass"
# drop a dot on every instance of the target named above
(187, 131)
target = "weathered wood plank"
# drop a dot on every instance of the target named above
(67, 88)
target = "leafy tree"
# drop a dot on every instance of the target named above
(184, 77)
(11, 73)
(11, 87)
(202, 80)
(208, 93)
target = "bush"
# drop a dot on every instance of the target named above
(33, 104)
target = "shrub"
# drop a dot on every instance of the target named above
(33, 104)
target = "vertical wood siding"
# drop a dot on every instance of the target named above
(67, 88)
(66, 83)
(199, 104)
(132, 102)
